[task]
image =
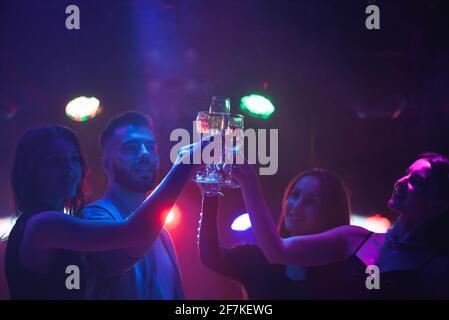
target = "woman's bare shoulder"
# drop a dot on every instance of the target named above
(352, 236)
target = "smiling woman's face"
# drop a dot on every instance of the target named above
(303, 207)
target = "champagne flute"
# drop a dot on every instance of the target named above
(218, 122)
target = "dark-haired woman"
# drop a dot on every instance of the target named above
(314, 201)
(410, 261)
(44, 252)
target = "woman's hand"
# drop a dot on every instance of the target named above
(245, 175)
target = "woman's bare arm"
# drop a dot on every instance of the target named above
(311, 250)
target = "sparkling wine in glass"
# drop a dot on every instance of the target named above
(218, 122)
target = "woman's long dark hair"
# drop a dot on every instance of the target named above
(436, 230)
(29, 154)
(335, 200)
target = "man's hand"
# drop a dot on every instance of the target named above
(185, 155)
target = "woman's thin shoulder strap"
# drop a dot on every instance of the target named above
(363, 242)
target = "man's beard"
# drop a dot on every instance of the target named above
(124, 178)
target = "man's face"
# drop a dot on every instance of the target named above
(131, 158)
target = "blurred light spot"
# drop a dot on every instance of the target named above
(8, 110)
(173, 218)
(170, 217)
(257, 105)
(6, 225)
(265, 85)
(375, 223)
(241, 223)
(83, 108)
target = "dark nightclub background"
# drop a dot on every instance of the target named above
(363, 103)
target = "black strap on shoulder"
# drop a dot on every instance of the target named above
(363, 242)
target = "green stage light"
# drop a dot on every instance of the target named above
(257, 105)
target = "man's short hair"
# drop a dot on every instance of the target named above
(124, 119)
